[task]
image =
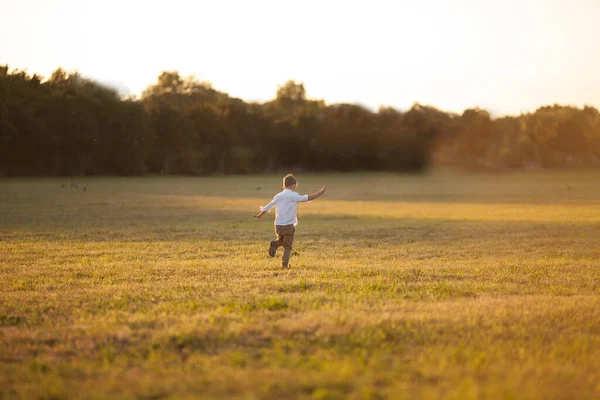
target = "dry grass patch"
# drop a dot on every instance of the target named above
(439, 286)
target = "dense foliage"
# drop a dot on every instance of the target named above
(69, 125)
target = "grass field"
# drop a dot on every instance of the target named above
(438, 286)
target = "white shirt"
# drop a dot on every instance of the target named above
(285, 203)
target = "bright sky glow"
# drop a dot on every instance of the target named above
(506, 56)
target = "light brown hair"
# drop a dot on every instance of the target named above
(289, 180)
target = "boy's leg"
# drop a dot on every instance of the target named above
(288, 241)
(275, 244)
(280, 232)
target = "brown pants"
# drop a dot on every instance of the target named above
(285, 238)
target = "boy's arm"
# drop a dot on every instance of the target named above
(317, 194)
(265, 209)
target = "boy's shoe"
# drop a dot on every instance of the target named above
(273, 248)
(286, 266)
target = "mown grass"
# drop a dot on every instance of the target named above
(438, 286)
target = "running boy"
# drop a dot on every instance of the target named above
(285, 218)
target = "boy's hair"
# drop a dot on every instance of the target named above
(289, 180)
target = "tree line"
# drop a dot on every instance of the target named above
(69, 125)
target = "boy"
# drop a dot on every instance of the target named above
(286, 219)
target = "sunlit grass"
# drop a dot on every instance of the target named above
(445, 285)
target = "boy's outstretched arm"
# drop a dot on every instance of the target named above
(265, 209)
(317, 194)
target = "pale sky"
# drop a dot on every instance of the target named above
(506, 56)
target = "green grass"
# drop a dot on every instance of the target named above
(439, 286)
